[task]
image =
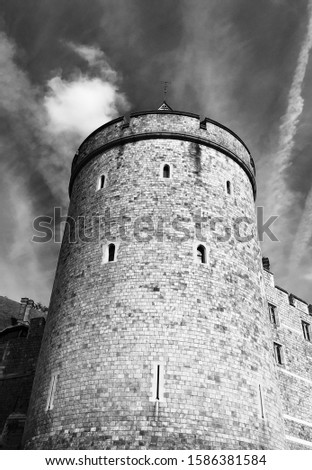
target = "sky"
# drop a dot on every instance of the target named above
(69, 66)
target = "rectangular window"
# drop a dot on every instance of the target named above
(278, 353)
(273, 314)
(306, 330)
(51, 393)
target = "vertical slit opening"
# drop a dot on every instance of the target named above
(228, 187)
(261, 402)
(157, 382)
(101, 182)
(51, 392)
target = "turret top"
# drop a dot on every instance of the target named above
(164, 123)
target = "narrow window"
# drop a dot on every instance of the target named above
(157, 389)
(278, 354)
(273, 314)
(51, 393)
(261, 403)
(228, 187)
(306, 330)
(166, 171)
(111, 252)
(101, 182)
(201, 254)
(157, 382)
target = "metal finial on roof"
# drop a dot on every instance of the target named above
(165, 88)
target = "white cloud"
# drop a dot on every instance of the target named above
(80, 105)
(84, 102)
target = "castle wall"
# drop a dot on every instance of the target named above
(295, 374)
(19, 350)
(155, 315)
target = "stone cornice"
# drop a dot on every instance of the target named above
(177, 113)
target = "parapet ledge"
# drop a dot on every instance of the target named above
(300, 304)
(293, 299)
(296, 301)
(126, 120)
(201, 130)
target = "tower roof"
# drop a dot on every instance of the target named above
(165, 107)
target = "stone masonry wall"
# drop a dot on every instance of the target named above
(295, 374)
(205, 326)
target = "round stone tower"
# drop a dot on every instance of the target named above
(157, 335)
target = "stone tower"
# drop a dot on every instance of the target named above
(157, 336)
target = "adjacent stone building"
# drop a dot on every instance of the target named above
(290, 319)
(21, 330)
(159, 332)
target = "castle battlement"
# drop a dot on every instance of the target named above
(288, 297)
(151, 125)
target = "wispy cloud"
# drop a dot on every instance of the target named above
(303, 235)
(46, 125)
(280, 195)
(216, 60)
(95, 57)
(210, 61)
(22, 271)
(281, 198)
